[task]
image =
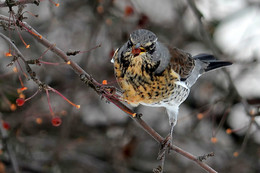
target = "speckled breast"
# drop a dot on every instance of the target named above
(141, 86)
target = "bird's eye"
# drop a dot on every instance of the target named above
(150, 47)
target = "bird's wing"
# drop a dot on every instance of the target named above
(190, 68)
(181, 62)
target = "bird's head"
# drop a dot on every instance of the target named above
(141, 41)
(143, 44)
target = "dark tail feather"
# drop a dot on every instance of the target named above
(217, 64)
(212, 62)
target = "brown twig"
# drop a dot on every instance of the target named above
(245, 140)
(20, 55)
(86, 78)
(205, 156)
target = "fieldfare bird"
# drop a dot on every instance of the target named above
(151, 74)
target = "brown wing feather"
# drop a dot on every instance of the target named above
(181, 62)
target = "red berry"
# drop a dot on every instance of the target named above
(20, 101)
(129, 10)
(56, 121)
(6, 126)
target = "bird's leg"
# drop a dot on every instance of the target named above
(173, 123)
(165, 145)
(171, 133)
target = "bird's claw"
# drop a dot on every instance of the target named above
(165, 146)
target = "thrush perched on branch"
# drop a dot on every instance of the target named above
(151, 74)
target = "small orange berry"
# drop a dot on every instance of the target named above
(236, 154)
(22, 96)
(15, 70)
(38, 120)
(19, 91)
(13, 107)
(228, 131)
(214, 140)
(104, 82)
(23, 88)
(200, 116)
(8, 54)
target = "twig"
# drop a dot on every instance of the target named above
(28, 68)
(86, 78)
(205, 156)
(247, 135)
(8, 147)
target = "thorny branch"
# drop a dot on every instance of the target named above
(87, 79)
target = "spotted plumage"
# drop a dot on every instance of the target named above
(151, 74)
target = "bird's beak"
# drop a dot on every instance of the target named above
(137, 49)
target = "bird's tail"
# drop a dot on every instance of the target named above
(211, 61)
